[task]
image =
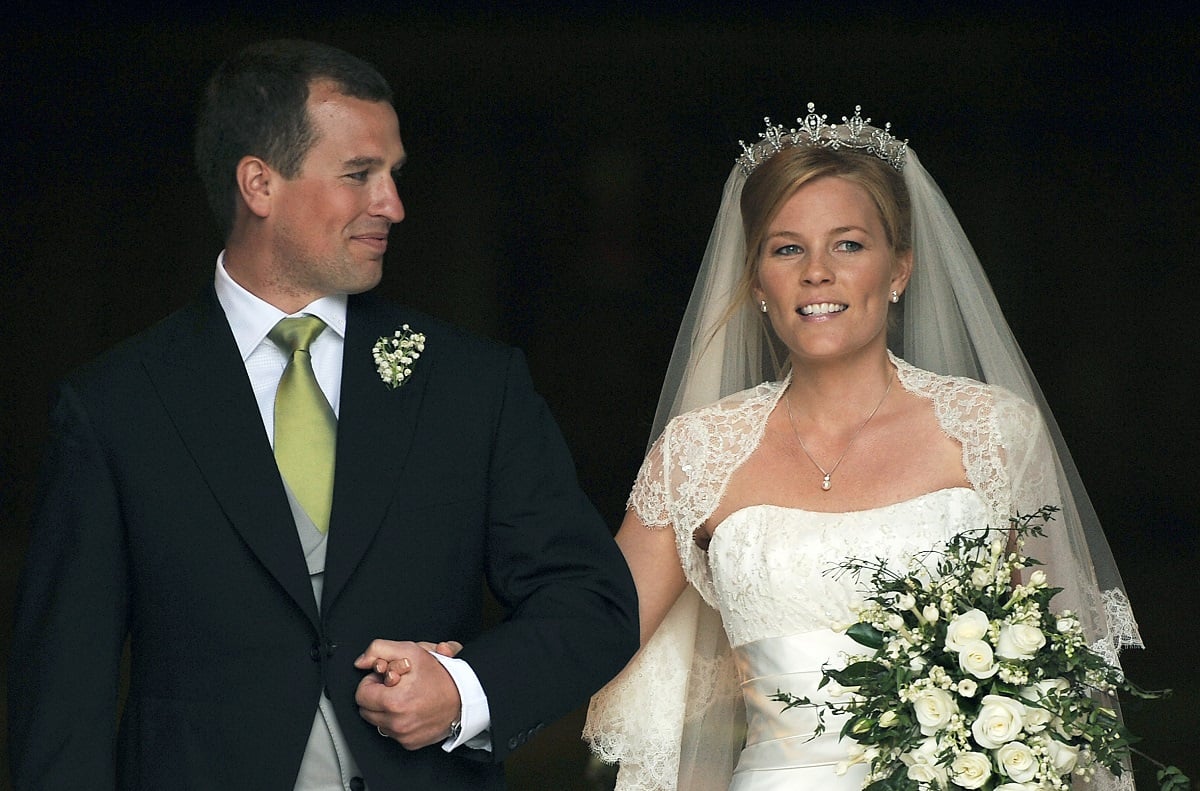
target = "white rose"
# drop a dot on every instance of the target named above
(981, 578)
(1037, 719)
(934, 708)
(967, 687)
(1017, 787)
(965, 627)
(858, 754)
(1035, 693)
(999, 721)
(929, 774)
(923, 766)
(1019, 641)
(1017, 761)
(976, 658)
(1063, 756)
(1066, 623)
(970, 770)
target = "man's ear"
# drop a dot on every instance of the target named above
(255, 180)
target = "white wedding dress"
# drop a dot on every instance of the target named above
(780, 606)
(760, 608)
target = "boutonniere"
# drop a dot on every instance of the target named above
(395, 356)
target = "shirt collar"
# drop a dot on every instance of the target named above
(251, 318)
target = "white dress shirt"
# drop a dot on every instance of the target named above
(327, 763)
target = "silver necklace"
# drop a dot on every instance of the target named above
(826, 482)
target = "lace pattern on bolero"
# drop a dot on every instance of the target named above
(686, 472)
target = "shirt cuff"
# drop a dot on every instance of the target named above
(475, 718)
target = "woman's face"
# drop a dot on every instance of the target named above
(827, 271)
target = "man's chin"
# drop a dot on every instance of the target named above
(366, 280)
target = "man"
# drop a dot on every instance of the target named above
(251, 569)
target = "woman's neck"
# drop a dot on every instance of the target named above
(839, 391)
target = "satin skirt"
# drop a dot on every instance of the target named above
(781, 751)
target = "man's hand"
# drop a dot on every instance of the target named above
(408, 696)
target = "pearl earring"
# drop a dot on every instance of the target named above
(762, 305)
(895, 297)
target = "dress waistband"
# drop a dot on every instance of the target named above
(776, 738)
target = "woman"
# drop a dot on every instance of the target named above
(828, 235)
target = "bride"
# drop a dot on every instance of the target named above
(830, 239)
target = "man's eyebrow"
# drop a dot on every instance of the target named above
(362, 162)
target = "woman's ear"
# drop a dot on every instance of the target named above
(902, 271)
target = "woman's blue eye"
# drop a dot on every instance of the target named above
(848, 246)
(789, 249)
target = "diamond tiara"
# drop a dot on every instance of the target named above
(814, 131)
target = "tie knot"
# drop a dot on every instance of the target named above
(296, 334)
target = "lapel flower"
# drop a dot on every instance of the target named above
(394, 356)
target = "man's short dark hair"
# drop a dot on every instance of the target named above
(255, 105)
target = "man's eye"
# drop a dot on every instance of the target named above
(358, 176)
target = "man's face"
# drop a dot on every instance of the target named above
(331, 221)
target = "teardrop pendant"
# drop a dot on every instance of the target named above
(825, 484)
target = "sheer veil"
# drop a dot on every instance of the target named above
(948, 322)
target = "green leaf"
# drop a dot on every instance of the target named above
(1171, 779)
(865, 634)
(857, 674)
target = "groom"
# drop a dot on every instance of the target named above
(250, 501)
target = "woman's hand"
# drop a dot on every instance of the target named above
(391, 670)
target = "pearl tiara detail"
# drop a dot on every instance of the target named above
(814, 131)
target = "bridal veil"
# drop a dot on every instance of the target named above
(948, 322)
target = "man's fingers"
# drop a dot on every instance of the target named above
(449, 648)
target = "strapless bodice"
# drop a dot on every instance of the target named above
(770, 565)
(781, 606)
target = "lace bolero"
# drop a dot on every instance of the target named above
(681, 482)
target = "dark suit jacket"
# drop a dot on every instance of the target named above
(162, 518)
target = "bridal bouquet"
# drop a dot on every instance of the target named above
(974, 682)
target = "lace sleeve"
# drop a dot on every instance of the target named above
(673, 718)
(1036, 481)
(648, 499)
(1009, 459)
(684, 476)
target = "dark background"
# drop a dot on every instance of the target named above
(565, 168)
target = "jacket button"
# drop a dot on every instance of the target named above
(314, 653)
(358, 784)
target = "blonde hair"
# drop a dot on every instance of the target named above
(775, 181)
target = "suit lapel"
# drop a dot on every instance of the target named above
(375, 433)
(220, 425)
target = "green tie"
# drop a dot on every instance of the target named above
(305, 427)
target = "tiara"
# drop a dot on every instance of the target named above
(814, 131)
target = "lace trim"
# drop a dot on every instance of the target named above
(1122, 628)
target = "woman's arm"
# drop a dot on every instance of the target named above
(657, 573)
